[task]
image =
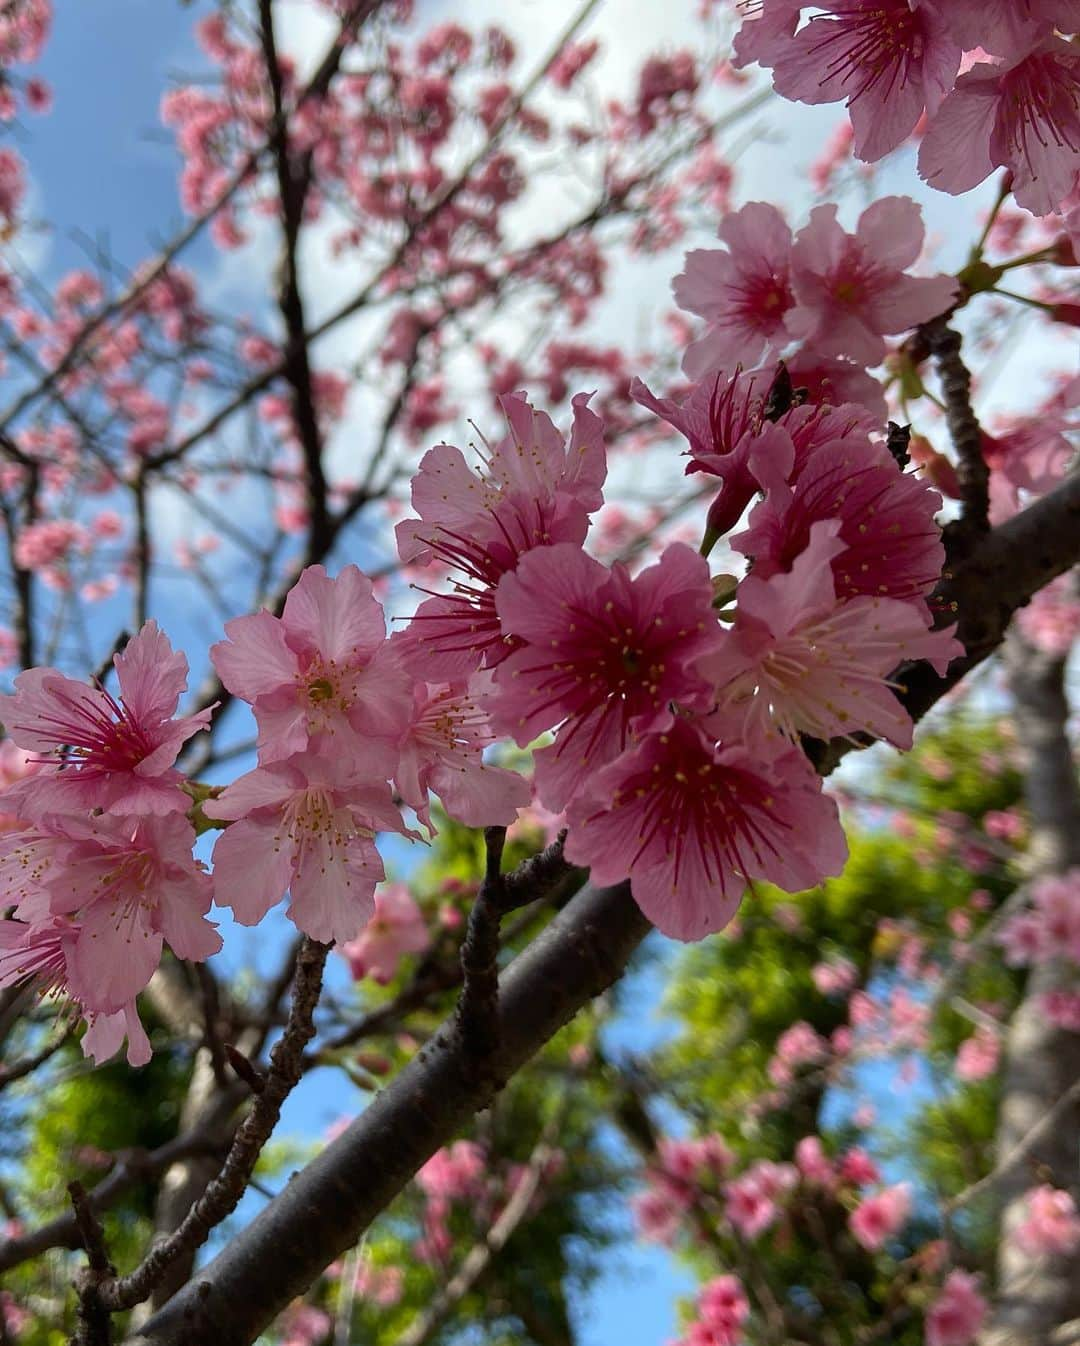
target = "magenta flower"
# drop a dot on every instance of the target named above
(893, 546)
(956, 1317)
(321, 674)
(799, 661)
(1023, 115)
(131, 882)
(41, 953)
(1005, 26)
(443, 751)
(891, 60)
(601, 653)
(877, 1218)
(533, 491)
(743, 293)
(852, 288)
(692, 823)
(397, 928)
(307, 825)
(114, 754)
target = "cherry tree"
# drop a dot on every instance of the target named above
(625, 695)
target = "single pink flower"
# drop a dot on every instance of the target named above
(534, 490)
(748, 1209)
(453, 1173)
(601, 653)
(396, 928)
(723, 1304)
(852, 289)
(977, 1058)
(857, 1168)
(743, 293)
(891, 60)
(958, 1313)
(443, 751)
(1051, 1225)
(878, 1218)
(307, 825)
(114, 754)
(658, 1213)
(813, 1163)
(1023, 115)
(322, 676)
(894, 547)
(131, 882)
(800, 661)
(691, 823)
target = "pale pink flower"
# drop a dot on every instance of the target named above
(743, 293)
(748, 1208)
(1023, 115)
(1023, 937)
(958, 1313)
(1033, 457)
(307, 825)
(658, 1213)
(600, 652)
(533, 490)
(443, 751)
(15, 764)
(835, 976)
(305, 1325)
(1051, 1225)
(852, 289)
(382, 1286)
(114, 753)
(1051, 621)
(131, 882)
(322, 676)
(894, 547)
(691, 822)
(804, 663)
(453, 1173)
(1003, 26)
(889, 59)
(813, 1163)
(397, 927)
(878, 1218)
(978, 1055)
(766, 22)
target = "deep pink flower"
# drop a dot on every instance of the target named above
(1023, 115)
(1051, 1225)
(852, 289)
(894, 547)
(800, 661)
(443, 751)
(307, 825)
(748, 1209)
(723, 1304)
(397, 927)
(533, 491)
(891, 60)
(857, 1168)
(131, 882)
(114, 754)
(743, 293)
(877, 1218)
(322, 676)
(691, 823)
(600, 652)
(958, 1313)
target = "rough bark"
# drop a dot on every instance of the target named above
(1038, 1296)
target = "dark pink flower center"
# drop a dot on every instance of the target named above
(871, 47)
(1041, 106)
(89, 734)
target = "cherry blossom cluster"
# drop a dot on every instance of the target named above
(721, 1308)
(897, 65)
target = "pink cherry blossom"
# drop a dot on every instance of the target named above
(307, 825)
(1023, 115)
(397, 927)
(748, 1208)
(1051, 621)
(1032, 457)
(978, 1055)
(724, 1307)
(765, 24)
(958, 1313)
(894, 547)
(114, 753)
(602, 653)
(534, 490)
(443, 751)
(835, 976)
(1003, 26)
(131, 882)
(383, 1286)
(322, 674)
(1050, 1226)
(878, 1218)
(856, 1166)
(692, 823)
(453, 1173)
(813, 1163)
(799, 660)
(891, 60)
(852, 289)
(743, 293)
